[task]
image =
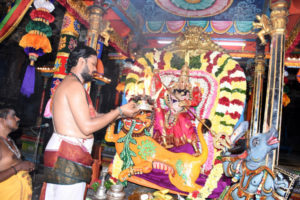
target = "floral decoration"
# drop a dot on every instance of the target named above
(223, 86)
(35, 42)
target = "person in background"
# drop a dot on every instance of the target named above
(67, 157)
(15, 181)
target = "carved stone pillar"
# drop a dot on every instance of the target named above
(273, 104)
(257, 94)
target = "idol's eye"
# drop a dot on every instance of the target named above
(174, 100)
(255, 142)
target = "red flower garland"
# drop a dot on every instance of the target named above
(42, 14)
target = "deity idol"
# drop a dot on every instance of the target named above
(173, 121)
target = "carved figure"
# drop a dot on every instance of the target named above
(173, 124)
(265, 25)
(140, 153)
(105, 32)
(221, 87)
(255, 179)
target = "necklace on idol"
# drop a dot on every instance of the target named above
(15, 150)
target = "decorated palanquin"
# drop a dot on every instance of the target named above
(191, 82)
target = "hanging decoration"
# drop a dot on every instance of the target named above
(36, 42)
(175, 26)
(196, 9)
(210, 27)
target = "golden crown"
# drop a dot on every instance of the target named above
(183, 82)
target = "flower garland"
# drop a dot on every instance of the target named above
(210, 184)
(210, 156)
(117, 166)
(228, 105)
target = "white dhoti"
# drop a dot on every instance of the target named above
(60, 150)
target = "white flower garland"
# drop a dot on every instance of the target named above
(211, 182)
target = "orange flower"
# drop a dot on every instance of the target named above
(285, 99)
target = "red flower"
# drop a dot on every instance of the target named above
(114, 180)
(195, 194)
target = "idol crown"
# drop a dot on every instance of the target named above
(183, 81)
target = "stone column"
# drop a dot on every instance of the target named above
(273, 104)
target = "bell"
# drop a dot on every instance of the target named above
(116, 192)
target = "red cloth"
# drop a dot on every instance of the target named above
(70, 152)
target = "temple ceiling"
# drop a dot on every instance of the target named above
(146, 24)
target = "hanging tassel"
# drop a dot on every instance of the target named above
(27, 87)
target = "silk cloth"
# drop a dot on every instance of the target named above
(16, 187)
(67, 162)
(181, 130)
(177, 134)
(161, 179)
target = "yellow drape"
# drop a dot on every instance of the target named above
(16, 187)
